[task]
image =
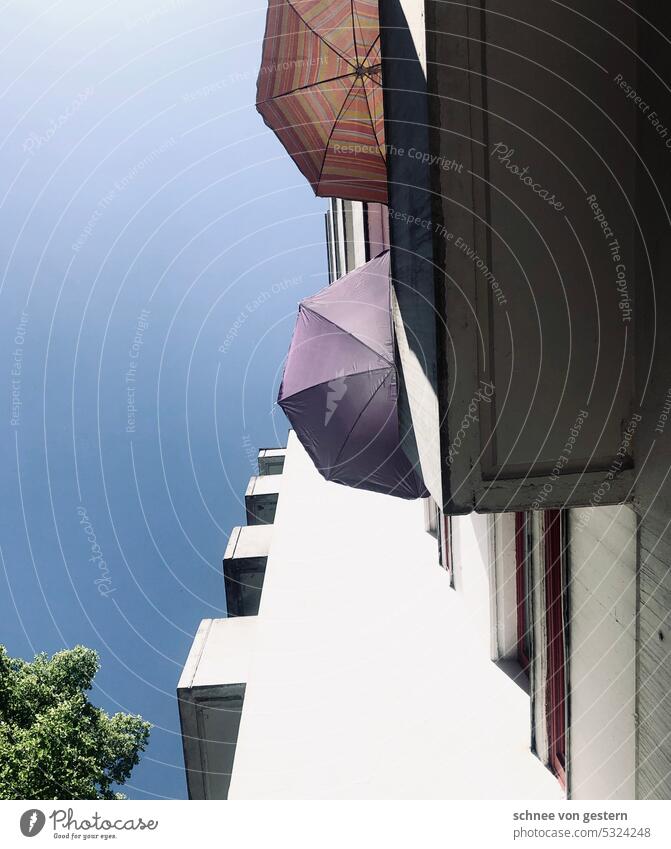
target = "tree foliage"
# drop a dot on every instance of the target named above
(54, 744)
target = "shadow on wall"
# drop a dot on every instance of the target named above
(410, 204)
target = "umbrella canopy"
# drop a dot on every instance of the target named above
(340, 385)
(320, 90)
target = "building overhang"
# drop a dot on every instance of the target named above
(500, 320)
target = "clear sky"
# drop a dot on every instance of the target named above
(154, 242)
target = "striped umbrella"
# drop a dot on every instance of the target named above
(320, 90)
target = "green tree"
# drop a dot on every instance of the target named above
(54, 744)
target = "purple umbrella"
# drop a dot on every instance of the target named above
(340, 385)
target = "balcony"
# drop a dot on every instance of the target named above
(271, 461)
(210, 694)
(245, 568)
(261, 499)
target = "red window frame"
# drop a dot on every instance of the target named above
(522, 573)
(553, 549)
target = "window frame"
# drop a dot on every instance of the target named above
(523, 575)
(446, 559)
(554, 562)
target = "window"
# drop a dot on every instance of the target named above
(376, 228)
(445, 526)
(271, 461)
(348, 235)
(523, 550)
(260, 506)
(210, 723)
(330, 250)
(554, 564)
(432, 517)
(244, 564)
(243, 582)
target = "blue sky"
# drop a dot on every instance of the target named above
(154, 237)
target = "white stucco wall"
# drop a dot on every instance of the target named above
(471, 553)
(368, 676)
(221, 653)
(413, 10)
(358, 234)
(264, 484)
(504, 608)
(249, 541)
(602, 653)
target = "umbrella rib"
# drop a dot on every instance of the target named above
(304, 87)
(320, 37)
(347, 333)
(372, 125)
(370, 115)
(370, 49)
(356, 421)
(356, 49)
(335, 123)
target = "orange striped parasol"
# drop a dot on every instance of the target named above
(320, 90)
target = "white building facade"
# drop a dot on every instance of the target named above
(352, 665)
(362, 673)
